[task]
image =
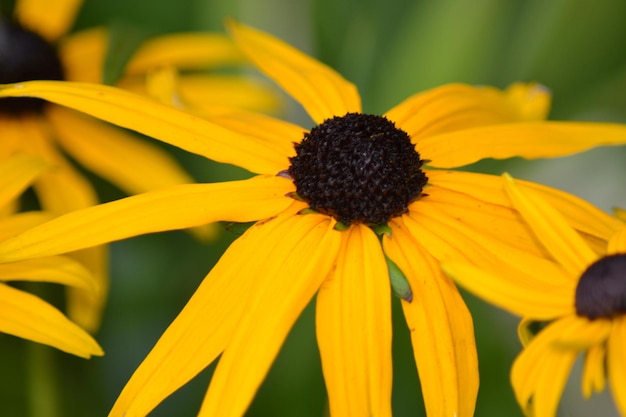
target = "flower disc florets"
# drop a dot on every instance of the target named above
(25, 56)
(358, 168)
(601, 290)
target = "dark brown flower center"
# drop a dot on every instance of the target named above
(25, 56)
(601, 291)
(358, 168)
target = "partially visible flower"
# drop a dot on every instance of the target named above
(23, 314)
(33, 47)
(351, 209)
(583, 302)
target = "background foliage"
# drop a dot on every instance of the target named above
(390, 49)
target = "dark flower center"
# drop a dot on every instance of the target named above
(358, 168)
(601, 291)
(25, 56)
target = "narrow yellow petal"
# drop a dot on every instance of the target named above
(580, 214)
(206, 324)
(175, 207)
(305, 250)
(186, 51)
(616, 363)
(551, 228)
(519, 293)
(83, 54)
(12, 136)
(456, 107)
(28, 317)
(318, 88)
(50, 19)
(540, 373)
(133, 164)
(617, 243)
(17, 173)
(353, 322)
(441, 333)
(154, 119)
(580, 333)
(19, 222)
(528, 140)
(594, 370)
(58, 269)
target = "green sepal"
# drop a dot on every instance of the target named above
(399, 283)
(308, 210)
(382, 229)
(341, 227)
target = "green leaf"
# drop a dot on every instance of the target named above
(124, 40)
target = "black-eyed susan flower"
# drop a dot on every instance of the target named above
(583, 301)
(323, 201)
(23, 314)
(34, 45)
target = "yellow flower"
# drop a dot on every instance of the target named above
(584, 301)
(23, 314)
(36, 50)
(322, 208)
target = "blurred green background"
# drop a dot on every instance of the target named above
(390, 49)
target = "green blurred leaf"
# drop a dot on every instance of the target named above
(124, 40)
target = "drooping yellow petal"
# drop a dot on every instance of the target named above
(28, 317)
(616, 362)
(580, 333)
(594, 370)
(580, 214)
(514, 291)
(441, 333)
(456, 107)
(133, 164)
(154, 119)
(305, 250)
(551, 228)
(50, 19)
(199, 50)
(171, 208)
(540, 373)
(617, 243)
(206, 324)
(318, 88)
(353, 322)
(17, 173)
(83, 55)
(528, 140)
(58, 269)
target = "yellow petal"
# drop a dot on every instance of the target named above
(616, 362)
(130, 162)
(441, 330)
(206, 324)
(617, 243)
(580, 333)
(83, 55)
(12, 137)
(528, 140)
(455, 107)
(59, 269)
(165, 123)
(531, 100)
(28, 317)
(20, 222)
(305, 250)
(50, 19)
(540, 372)
(318, 88)
(171, 208)
(594, 370)
(185, 51)
(580, 214)
(353, 322)
(17, 173)
(551, 228)
(519, 293)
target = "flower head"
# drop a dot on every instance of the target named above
(23, 314)
(583, 300)
(33, 47)
(312, 237)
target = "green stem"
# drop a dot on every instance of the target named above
(43, 393)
